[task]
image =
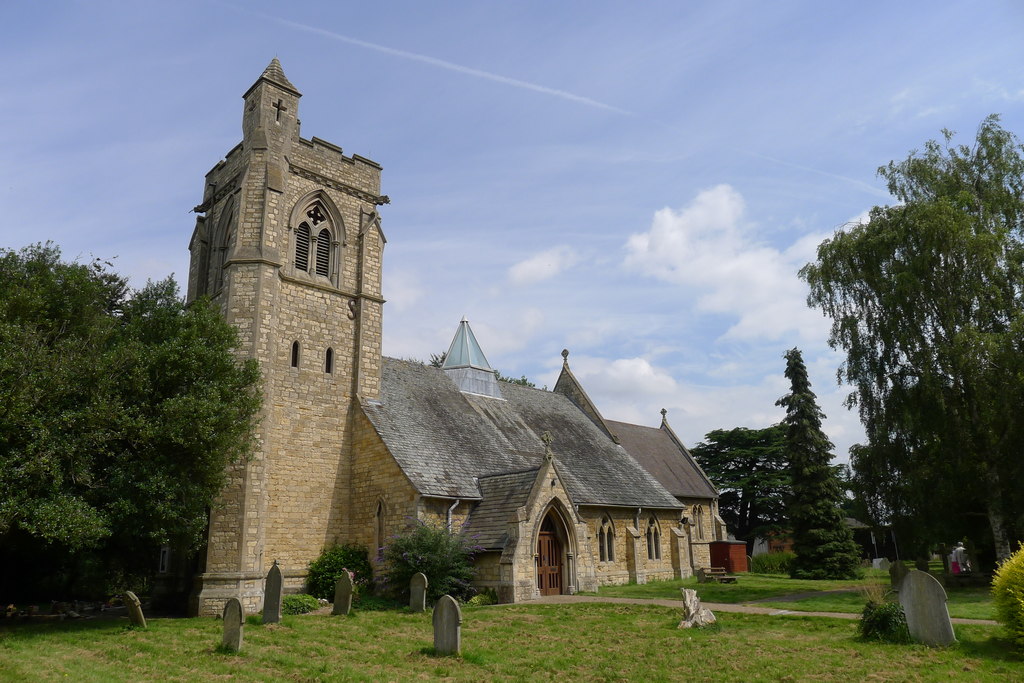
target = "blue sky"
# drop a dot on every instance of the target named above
(636, 182)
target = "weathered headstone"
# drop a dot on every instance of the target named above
(897, 570)
(694, 614)
(343, 594)
(272, 589)
(135, 615)
(447, 626)
(881, 563)
(234, 624)
(924, 603)
(418, 592)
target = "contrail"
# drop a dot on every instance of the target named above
(870, 189)
(450, 66)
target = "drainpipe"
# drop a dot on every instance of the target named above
(448, 517)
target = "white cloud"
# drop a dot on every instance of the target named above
(708, 248)
(542, 266)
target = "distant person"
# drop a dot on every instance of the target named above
(960, 564)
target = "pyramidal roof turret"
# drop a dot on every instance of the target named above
(275, 74)
(466, 365)
(465, 351)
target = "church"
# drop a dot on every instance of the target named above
(352, 446)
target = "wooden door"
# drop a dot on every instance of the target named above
(549, 564)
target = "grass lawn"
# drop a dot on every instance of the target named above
(592, 642)
(968, 602)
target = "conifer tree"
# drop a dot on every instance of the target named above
(823, 544)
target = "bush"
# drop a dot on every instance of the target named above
(445, 558)
(300, 603)
(1008, 596)
(325, 570)
(883, 621)
(772, 563)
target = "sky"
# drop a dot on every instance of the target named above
(638, 183)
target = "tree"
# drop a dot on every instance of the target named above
(437, 361)
(750, 469)
(926, 301)
(119, 412)
(823, 544)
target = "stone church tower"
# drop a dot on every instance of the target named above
(288, 243)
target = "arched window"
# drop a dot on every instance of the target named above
(329, 361)
(227, 237)
(606, 540)
(323, 253)
(302, 247)
(295, 354)
(698, 519)
(379, 541)
(653, 540)
(314, 242)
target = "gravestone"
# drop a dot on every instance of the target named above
(234, 623)
(447, 626)
(135, 615)
(924, 603)
(881, 563)
(272, 589)
(897, 570)
(343, 594)
(694, 614)
(418, 592)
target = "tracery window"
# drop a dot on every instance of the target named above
(653, 540)
(606, 540)
(314, 242)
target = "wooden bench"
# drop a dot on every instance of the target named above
(714, 574)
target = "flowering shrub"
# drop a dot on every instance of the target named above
(446, 558)
(1008, 596)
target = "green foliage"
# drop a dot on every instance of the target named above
(1008, 596)
(823, 544)
(884, 622)
(772, 563)
(750, 469)
(521, 381)
(487, 596)
(925, 299)
(299, 603)
(325, 570)
(446, 558)
(119, 412)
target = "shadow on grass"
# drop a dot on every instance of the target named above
(995, 648)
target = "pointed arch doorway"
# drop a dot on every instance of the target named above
(549, 557)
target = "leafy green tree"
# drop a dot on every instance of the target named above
(118, 413)
(444, 557)
(926, 301)
(824, 546)
(751, 471)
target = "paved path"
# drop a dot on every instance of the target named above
(717, 607)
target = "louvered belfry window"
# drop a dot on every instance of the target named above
(302, 247)
(323, 253)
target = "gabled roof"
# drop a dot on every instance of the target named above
(275, 74)
(446, 441)
(665, 457)
(502, 495)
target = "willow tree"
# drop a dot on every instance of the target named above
(926, 300)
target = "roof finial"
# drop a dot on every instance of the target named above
(663, 414)
(546, 438)
(565, 357)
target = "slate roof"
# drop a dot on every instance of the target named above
(502, 495)
(660, 455)
(446, 441)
